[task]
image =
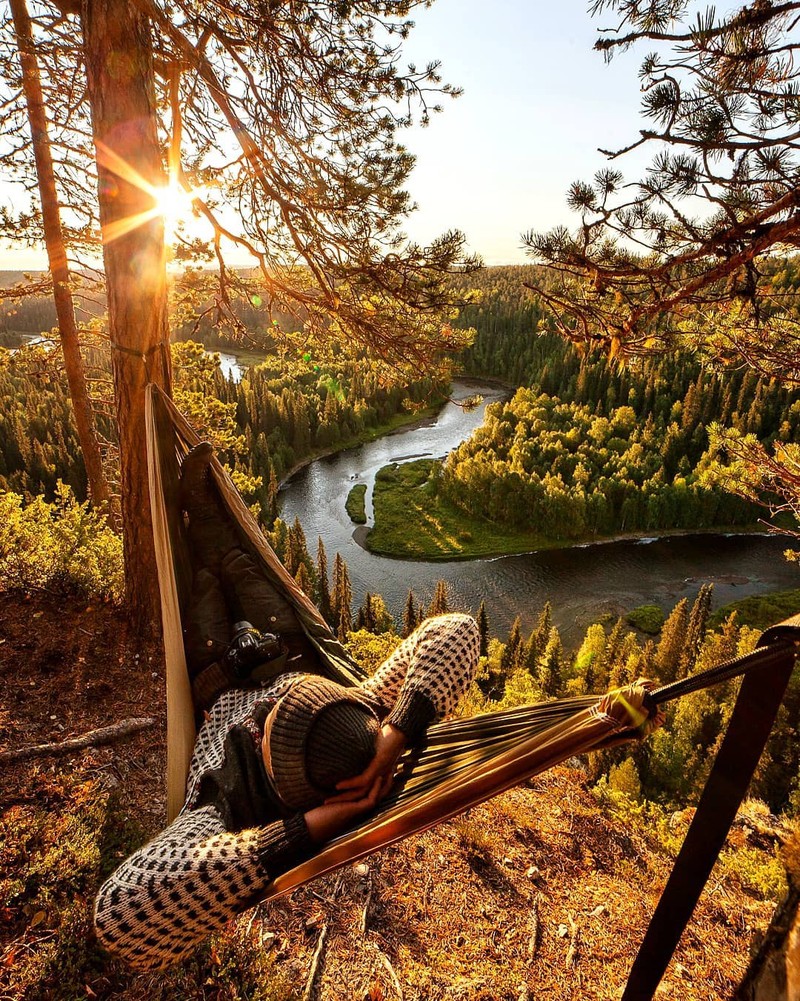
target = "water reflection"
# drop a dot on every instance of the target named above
(582, 582)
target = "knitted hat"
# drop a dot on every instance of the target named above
(321, 733)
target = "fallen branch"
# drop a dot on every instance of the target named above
(94, 738)
(572, 951)
(533, 941)
(312, 973)
(390, 969)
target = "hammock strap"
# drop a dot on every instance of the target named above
(762, 658)
(752, 719)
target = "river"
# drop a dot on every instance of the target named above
(582, 582)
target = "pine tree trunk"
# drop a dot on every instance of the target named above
(57, 258)
(119, 66)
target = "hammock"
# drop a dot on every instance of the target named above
(464, 761)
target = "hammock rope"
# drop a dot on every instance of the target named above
(463, 761)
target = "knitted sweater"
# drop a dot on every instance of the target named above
(233, 837)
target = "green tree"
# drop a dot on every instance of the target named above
(550, 665)
(365, 617)
(304, 581)
(591, 663)
(410, 614)
(696, 629)
(323, 594)
(541, 634)
(670, 647)
(483, 629)
(341, 598)
(513, 648)
(440, 603)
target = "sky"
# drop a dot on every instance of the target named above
(537, 103)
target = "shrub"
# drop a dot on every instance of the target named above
(355, 505)
(646, 618)
(63, 543)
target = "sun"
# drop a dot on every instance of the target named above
(175, 205)
(171, 202)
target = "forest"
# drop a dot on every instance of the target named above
(605, 448)
(587, 447)
(650, 357)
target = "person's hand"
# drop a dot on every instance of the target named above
(326, 821)
(389, 745)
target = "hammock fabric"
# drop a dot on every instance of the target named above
(463, 761)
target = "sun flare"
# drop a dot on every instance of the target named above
(175, 205)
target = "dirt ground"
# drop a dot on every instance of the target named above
(538, 894)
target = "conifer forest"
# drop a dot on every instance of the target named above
(219, 203)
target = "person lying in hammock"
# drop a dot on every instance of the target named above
(279, 767)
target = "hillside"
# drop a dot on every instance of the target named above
(539, 893)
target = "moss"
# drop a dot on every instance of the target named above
(646, 618)
(760, 611)
(355, 505)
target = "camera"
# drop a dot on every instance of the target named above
(250, 647)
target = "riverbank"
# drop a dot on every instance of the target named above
(412, 522)
(397, 425)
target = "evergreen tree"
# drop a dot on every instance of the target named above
(323, 593)
(483, 629)
(272, 496)
(512, 650)
(304, 581)
(365, 617)
(410, 615)
(541, 634)
(440, 603)
(341, 598)
(670, 646)
(591, 664)
(696, 630)
(382, 617)
(614, 647)
(279, 540)
(550, 665)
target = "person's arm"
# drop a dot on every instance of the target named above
(189, 881)
(420, 682)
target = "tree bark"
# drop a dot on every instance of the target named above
(57, 257)
(119, 67)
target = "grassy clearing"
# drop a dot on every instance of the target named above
(760, 611)
(355, 505)
(412, 521)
